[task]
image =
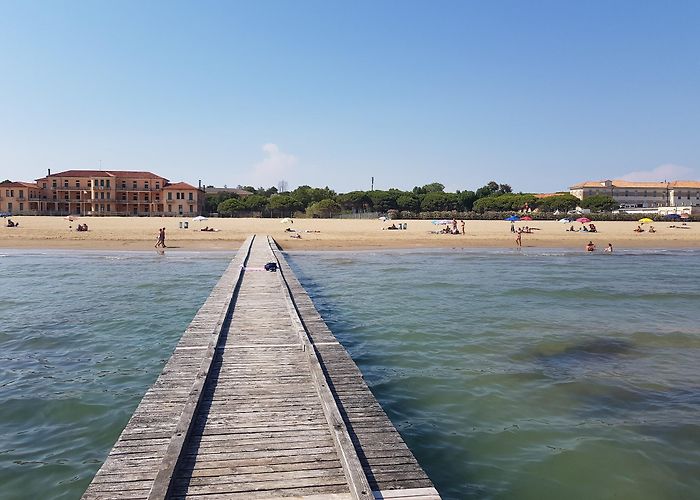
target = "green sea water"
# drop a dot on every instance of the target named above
(510, 374)
(528, 374)
(82, 336)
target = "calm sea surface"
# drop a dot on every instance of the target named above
(519, 375)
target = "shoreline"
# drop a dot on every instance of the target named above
(139, 234)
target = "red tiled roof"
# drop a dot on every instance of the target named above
(179, 185)
(18, 184)
(130, 174)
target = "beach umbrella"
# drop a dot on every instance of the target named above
(199, 218)
(383, 219)
(440, 222)
(512, 218)
(70, 217)
(646, 220)
(583, 220)
(286, 220)
(685, 216)
(565, 221)
(673, 216)
(527, 217)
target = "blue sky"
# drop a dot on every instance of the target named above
(539, 95)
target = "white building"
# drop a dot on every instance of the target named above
(630, 194)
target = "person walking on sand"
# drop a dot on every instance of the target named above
(163, 242)
(462, 222)
(161, 238)
(519, 239)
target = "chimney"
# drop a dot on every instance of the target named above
(49, 171)
(200, 183)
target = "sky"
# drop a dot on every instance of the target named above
(539, 95)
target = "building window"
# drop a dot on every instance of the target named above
(102, 183)
(170, 208)
(135, 197)
(157, 185)
(77, 195)
(54, 184)
(108, 208)
(145, 185)
(44, 185)
(109, 195)
(146, 197)
(135, 185)
(21, 207)
(65, 184)
(170, 195)
(77, 184)
(108, 186)
(65, 197)
(190, 198)
(123, 184)
(102, 195)
(21, 195)
(179, 209)
(191, 209)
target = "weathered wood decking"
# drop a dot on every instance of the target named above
(260, 401)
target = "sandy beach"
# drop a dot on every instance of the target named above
(123, 233)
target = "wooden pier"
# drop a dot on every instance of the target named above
(260, 401)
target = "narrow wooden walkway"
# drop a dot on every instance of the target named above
(260, 401)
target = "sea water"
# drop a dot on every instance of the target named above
(82, 336)
(510, 374)
(528, 374)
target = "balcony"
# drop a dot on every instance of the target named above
(137, 190)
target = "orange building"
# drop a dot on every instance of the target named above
(15, 197)
(114, 192)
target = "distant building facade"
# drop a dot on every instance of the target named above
(101, 192)
(642, 194)
(15, 196)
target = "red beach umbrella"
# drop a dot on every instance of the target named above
(527, 217)
(583, 220)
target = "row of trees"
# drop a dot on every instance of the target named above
(324, 202)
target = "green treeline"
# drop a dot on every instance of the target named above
(423, 201)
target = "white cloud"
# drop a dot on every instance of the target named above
(276, 166)
(665, 172)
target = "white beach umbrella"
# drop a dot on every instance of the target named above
(199, 218)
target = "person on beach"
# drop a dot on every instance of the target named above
(161, 238)
(462, 222)
(512, 226)
(590, 247)
(519, 239)
(609, 248)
